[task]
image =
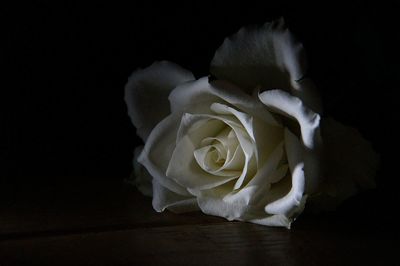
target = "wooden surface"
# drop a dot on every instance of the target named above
(110, 223)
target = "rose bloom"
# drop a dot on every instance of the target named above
(244, 143)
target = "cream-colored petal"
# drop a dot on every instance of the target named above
(256, 191)
(268, 57)
(197, 96)
(294, 200)
(244, 173)
(278, 220)
(164, 198)
(264, 136)
(236, 161)
(217, 207)
(227, 145)
(199, 127)
(235, 206)
(201, 158)
(309, 121)
(245, 119)
(149, 88)
(291, 201)
(209, 165)
(278, 174)
(267, 138)
(264, 173)
(158, 150)
(184, 169)
(294, 150)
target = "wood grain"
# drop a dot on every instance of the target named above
(112, 224)
(215, 244)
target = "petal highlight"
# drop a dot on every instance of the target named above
(283, 103)
(269, 57)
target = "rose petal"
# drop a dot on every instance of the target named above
(194, 97)
(249, 170)
(278, 174)
(235, 206)
(272, 220)
(183, 167)
(264, 136)
(267, 56)
(298, 154)
(280, 219)
(350, 165)
(255, 194)
(245, 119)
(283, 103)
(166, 199)
(292, 200)
(294, 150)
(267, 137)
(157, 153)
(201, 156)
(146, 94)
(200, 131)
(267, 170)
(228, 146)
(285, 197)
(236, 161)
(214, 205)
(200, 127)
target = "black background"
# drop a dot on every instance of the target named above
(62, 111)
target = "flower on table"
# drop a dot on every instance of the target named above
(247, 142)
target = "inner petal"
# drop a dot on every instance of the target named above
(214, 159)
(213, 162)
(235, 160)
(210, 151)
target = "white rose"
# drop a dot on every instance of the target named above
(246, 145)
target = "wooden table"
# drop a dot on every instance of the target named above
(109, 223)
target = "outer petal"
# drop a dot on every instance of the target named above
(166, 199)
(277, 219)
(291, 201)
(273, 220)
(350, 165)
(236, 207)
(283, 103)
(219, 202)
(158, 151)
(309, 123)
(195, 97)
(267, 56)
(146, 94)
